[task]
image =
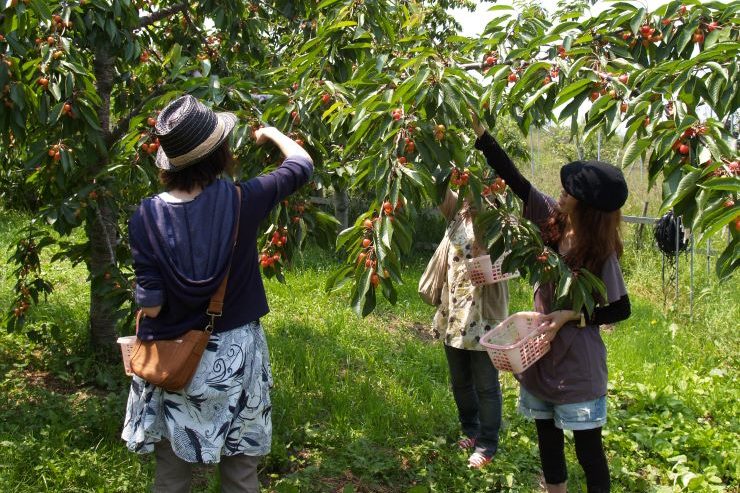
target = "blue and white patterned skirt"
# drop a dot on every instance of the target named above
(224, 410)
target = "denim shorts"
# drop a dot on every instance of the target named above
(576, 416)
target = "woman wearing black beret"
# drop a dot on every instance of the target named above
(566, 388)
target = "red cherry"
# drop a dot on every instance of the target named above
(374, 280)
(683, 149)
(366, 242)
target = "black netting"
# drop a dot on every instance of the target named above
(664, 232)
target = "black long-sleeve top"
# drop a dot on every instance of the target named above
(506, 169)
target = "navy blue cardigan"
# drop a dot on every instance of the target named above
(181, 252)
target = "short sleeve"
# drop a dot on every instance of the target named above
(611, 275)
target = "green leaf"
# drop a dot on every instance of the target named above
(572, 90)
(687, 186)
(634, 149)
(729, 260)
(90, 117)
(718, 221)
(726, 183)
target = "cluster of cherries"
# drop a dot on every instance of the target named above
(273, 250)
(498, 186)
(151, 145)
(367, 255)
(681, 145)
(459, 178)
(299, 208)
(55, 151)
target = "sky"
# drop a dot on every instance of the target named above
(473, 23)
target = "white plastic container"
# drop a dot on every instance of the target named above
(127, 347)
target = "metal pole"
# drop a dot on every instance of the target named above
(531, 146)
(709, 243)
(678, 231)
(539, 146)
(662, 277)
(691, 284)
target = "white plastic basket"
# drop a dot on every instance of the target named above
(481, 271)
(127, 347)
(515, 344)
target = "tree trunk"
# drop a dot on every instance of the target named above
(102, 220)
(341, 207)
(101, 234)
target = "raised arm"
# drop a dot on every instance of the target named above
(265, 191)
(447, 207)
(500, 161)
(287, 146)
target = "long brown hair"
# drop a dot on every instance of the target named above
(597, 236)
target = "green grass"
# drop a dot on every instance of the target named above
(364, 405)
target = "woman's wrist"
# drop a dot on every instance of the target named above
(578, 317)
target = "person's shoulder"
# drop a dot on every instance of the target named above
(540, 201)
(143, 206)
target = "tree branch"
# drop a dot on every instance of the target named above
(161, 14)
(473, 66)
(122, 126)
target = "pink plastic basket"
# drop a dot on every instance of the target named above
(482, 272)
(515, 344)
(127, 347)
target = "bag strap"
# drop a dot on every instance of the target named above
(216, 304)
(458, 221)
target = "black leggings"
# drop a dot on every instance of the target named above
(589, 451)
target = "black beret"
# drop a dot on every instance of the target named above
(597, 184)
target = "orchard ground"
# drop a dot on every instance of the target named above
(364, 405)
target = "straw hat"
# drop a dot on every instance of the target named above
(188, 131)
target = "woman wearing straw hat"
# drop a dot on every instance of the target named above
(566, 388)
(182, 241)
